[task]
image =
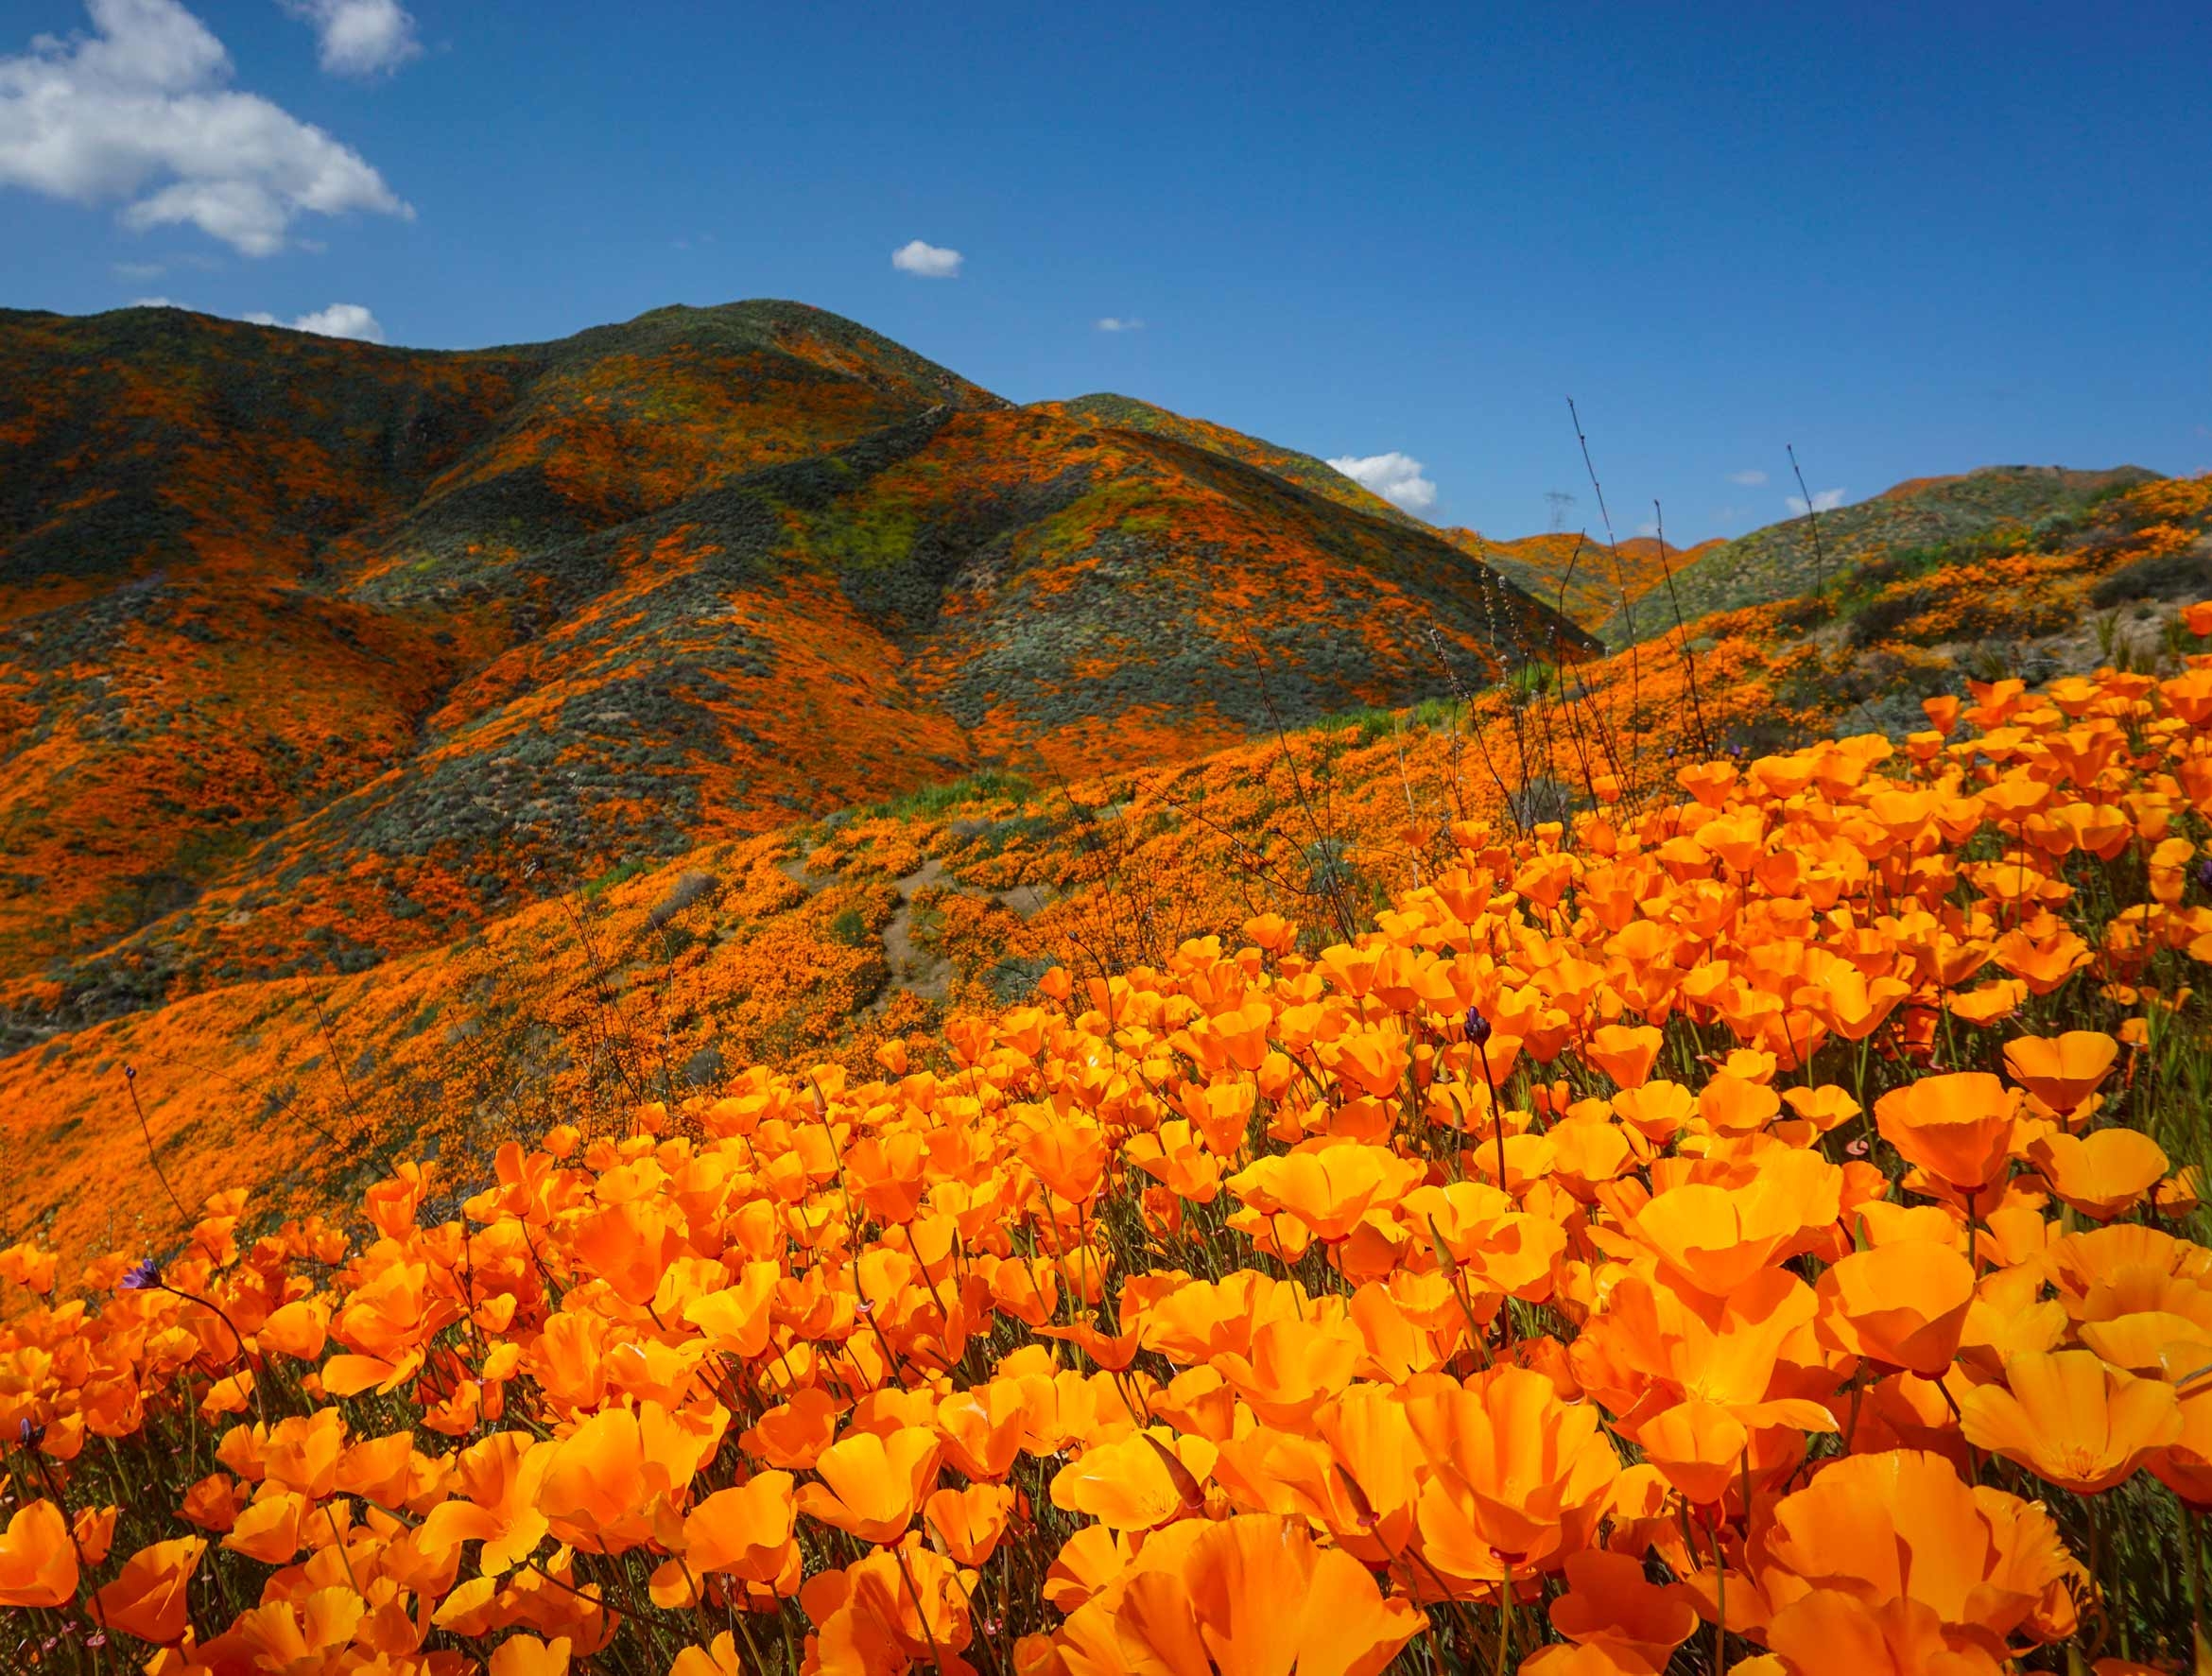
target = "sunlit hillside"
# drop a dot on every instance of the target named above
(700, 1001)
(318, 654)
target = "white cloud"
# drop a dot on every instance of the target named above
(140, 110)
(926, 261)
(1114, 324)
(340, 320)
(1646, 527)
(1823, 500)
(1394, 476)
(1747, 479)
(360, 37)
(154, 303)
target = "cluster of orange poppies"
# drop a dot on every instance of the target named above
(1607, 1259)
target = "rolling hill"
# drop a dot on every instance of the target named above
(408, 750)
(1783, 561)
(317, 653)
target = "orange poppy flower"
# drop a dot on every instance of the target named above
(717, 1659)
(746, 1530)
(1610, 1658)
(1255, 1594)
(38, 1562)
(214, 1503)
(1138, 1482)
(526, 1655)
(1610, 1603)
(1329, 1186)
(1520, 1476)
(1624, 1054)
(794, 1433)
(1904, 1305)
(873, 1486)
(29, 1267)
(2102, 1173)
(603, 1480)
(1831, 1632)
(1714, 1238)
(146, 1599)
(968, 1523)
(1957, 1127)
(1698, 1447)
(1903, 1525)
(2071, 1419)
(2061, 1071)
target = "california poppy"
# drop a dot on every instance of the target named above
(1903, 1305)
(38, 1562)
(1957, 1127)
(2072, 1420)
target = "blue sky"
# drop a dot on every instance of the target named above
(1906, 239)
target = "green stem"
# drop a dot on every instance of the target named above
(1719, 1603)
(1504, 1623)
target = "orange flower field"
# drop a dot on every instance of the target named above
(1753, 1229)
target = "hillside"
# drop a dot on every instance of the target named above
(831, 939)
(407, 744)
(319, 654)
(1306, 470)
(1585, 580)
(1783, 561)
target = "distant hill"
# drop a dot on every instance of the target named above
(1783, 561)
(1584, 579)
(313, 652)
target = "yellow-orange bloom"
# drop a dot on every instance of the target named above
(1903, 1526)
(2061, 1071)
(1957, 1127)
(1256, 1595)
(875, 1485)
(1903, 1305)
(2071, 1419)
(1610, 1604)
(1520, 1476)
(2102, 1173)
(38, 1562)
(1714, 1238)
(146, 1599)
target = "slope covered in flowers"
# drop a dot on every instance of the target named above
(1788, 560)
(1589, 581)
(832, 937)
(1750, 1224)
(319, 654)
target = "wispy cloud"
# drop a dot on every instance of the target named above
(360, 37)
(1747, 479)
(926, 261)
(1397, 478)
(340, 320)
(140, 112)
(1116, 323)
(1823, 500)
